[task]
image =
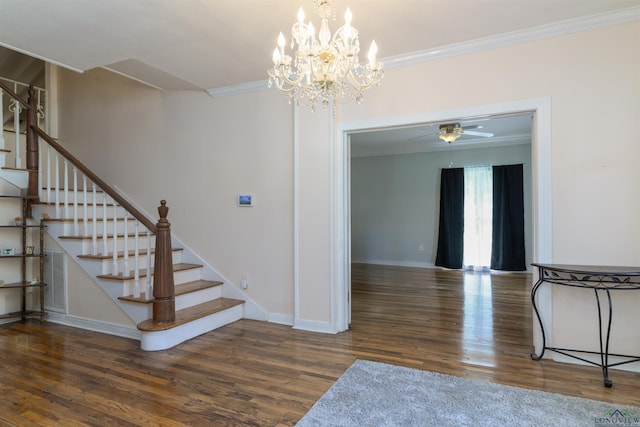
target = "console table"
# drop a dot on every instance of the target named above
(600, 279)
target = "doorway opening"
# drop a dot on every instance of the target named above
(540, 172)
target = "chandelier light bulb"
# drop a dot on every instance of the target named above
(373, 51)
(327, 68)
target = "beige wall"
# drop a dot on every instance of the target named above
(199, 152)
(594, 88)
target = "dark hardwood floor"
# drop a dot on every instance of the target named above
(476, 326)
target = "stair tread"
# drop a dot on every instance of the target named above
(181, 289)
(121, 254)
(8, 168)
(4, 150)
(192, 313)
(143, 272)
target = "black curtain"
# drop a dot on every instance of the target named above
(507, 246)
(451, 231)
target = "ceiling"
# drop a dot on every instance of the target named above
(219, 45)
(213, 44)
(419, 138)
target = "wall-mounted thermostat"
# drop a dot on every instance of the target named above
(245, 200)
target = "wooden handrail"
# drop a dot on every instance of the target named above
(14, 95)
(96, 180)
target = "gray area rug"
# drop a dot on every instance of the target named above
(376, 394)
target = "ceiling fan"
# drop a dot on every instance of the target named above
(449, 132)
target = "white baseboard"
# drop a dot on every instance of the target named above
(94, 325)
(395, 263)
(281, 319)
(314, 326)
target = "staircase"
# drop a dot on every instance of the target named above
(200, 306)
(164, 289)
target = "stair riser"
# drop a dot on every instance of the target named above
(51, 197)
(86, 247)
(68, 211)
(194, 298)
(72, 229)
(107, 264)
(179, 277)
(161, 340)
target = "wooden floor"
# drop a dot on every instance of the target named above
(475, 326)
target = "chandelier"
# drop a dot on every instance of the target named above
(327, 68)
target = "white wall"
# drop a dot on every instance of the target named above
(395, 202)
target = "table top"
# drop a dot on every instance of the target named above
(591, 269)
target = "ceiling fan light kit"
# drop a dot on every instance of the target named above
(326, 68)
(450, 132)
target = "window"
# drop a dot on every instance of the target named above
(478, 207)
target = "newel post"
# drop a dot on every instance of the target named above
(164, 306)
(32, 144)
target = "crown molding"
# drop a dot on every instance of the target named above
(555, 29)
(238, 89)
(501, 40)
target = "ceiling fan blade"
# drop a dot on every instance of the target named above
(474, 133)
(471, 127)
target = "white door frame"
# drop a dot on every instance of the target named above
(541, 189)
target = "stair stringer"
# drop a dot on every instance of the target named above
(251, 309)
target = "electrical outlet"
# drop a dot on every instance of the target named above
(420, 247)
(245, 282)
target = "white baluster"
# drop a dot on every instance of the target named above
(40, 171)
(85, 216)
(94, 226)
(48, 173)
(66, 188)
(105, 246)
(16, 126)
(76, 229)
(136, 262)
(125, 247)
(57, 161)
(149, 286)
(115, 239)
(1, 121)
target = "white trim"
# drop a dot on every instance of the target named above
(296, 213)
(94, 325)
(395, 263)
(43, 58)
(541, 182)
(555, 29)
(281, 319)
(168, 338)
(315, 326)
